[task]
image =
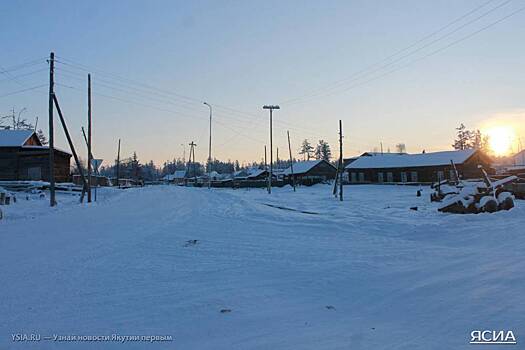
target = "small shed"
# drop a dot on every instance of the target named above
(23, 157)
(417, 168)
(310, 172)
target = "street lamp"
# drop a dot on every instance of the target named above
(209, 151)
(271, 108)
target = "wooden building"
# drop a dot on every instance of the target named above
(417, 168)
(310, 172)
(23, 157)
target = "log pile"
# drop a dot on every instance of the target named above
(473, 198)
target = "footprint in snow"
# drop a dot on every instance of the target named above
(225, 311)
(330, 307)
(191, 242)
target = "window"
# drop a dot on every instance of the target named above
(413, 176)
(353, 177)
(389, 177)
(34, 173)
(380, 177)
(453, 175)
(440, 176)
(361, 177)
(404, 177)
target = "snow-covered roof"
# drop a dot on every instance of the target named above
(179, 174)
(256, 172)
(302, 167)
(14, 138)
(412, 160)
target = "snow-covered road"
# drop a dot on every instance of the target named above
(367, 273)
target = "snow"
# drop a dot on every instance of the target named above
(412, 160)
(302, 167)
(14, 138)
(367, 273)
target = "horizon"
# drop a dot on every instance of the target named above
(409, 74)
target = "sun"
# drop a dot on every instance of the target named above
(500, 139)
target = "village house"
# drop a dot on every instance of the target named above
(23, 157)
(417, 168)
(310, 172)
(178, 177)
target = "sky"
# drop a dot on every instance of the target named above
(394, 72)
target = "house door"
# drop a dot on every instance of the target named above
(389, 177)
(404, 177)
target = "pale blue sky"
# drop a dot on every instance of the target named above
(243, 54)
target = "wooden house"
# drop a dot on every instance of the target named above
(417, 168)
(310, 172)
(23, 157)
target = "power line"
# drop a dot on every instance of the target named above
(409, 63)
(374, 67)
(24, 74)
(162, 99)
(23, 90)
(189, 102)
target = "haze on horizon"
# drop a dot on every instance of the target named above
(407, 72)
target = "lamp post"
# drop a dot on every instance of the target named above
(271, 108)
(209, 149)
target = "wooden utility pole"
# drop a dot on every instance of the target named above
(68, 137)
(89, 140)
(118, 164)
(291, 160)
(209, 149)
(192, 153)
(341, 171)
(51, 137)
(265, 162)
(271, 108)
(96, 170)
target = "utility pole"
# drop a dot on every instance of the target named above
(381, 147)
(89, 140)
(118, 164)
(96, 170)
(68, 137)
(271, 108)
(341, 160)
(52, 201)
(291, 161)
(209, 151)
(277, 158)
(192, 152)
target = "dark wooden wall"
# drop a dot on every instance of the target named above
(427, 174)
(16, 161)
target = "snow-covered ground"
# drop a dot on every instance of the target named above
(368, 273)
